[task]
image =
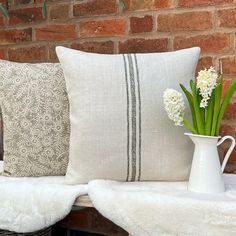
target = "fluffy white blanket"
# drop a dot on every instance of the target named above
(166, 209)
(31, 204)
(143, 209)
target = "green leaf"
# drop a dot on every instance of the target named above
(4, 11)
(190, 102)
(218, 91)
(224, 105)
(197, 111)
(44, 9)
(121, 4)
(189, 126)
(209, 114)
(192, 84)
(193, 87)
(202, 110)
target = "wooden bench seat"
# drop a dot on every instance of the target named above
(84, 217)
(83, 201)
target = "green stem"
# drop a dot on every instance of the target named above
(4, 11)
(224, 105)
(189, 126)
(44, 9)
(197, 110)
(202, 110)
(209, 114)
(218, 91)
(190, 102)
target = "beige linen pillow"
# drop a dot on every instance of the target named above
(119, 129)
(35, 113)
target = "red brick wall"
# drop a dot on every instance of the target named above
(143, 26)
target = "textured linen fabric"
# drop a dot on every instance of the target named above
(35, 112)
(166, 208)
(1, 136)
(119, 128)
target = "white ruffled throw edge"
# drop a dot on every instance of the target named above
(166, 209)
(29, 204)
(143, 209)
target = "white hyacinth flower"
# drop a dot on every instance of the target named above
(206, 82)
(174, 106)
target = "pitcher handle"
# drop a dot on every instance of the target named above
(226, 158)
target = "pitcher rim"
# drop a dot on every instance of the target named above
(202, 136)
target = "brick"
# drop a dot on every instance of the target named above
(141, 24)
(229, 65)
(143, 45)
(1, 21)
(2, 53)
(141, 5)
(185, 21)
(15, 36)
(193, 3)
(162, 3)
(230, 168)
(146, 4)
(59, 12)
(208, 43)
(134, 5)
(127, 5)
(227, 17)
(226, 129)
(28, 54)
(204, 62)
(97, 47)
(113, 27)
(56, 32)
(95, 7)
(230, 112)
(232, 158)
(41, 1)
(106, 47)
(52, 52)
(225, 85)
(26, 15)
(23, 1)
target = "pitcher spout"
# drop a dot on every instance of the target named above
(198, 139)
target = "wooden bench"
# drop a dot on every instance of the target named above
(84, 217)
(83, 201)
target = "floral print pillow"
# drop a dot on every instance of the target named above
(35, 113)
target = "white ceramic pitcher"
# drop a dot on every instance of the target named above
(206, 174)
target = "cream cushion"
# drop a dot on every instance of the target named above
(119, 129)
(35, 112)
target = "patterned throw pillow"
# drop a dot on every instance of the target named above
(119, 128)
(35, 114)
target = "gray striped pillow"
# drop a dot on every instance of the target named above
(119, 129)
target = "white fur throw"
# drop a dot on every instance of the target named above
(166, 209)
(143, 209)
(29, 204)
